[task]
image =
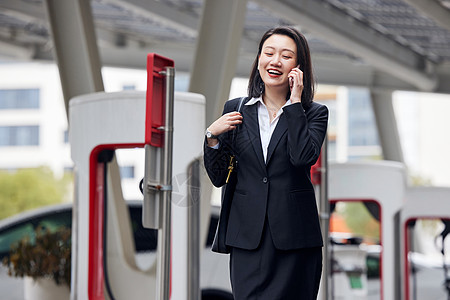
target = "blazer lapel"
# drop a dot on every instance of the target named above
(276, 136)
(250, 114)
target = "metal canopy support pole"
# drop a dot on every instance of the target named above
(194, 239)
(387, 125)
(217, 52)
(324, 206)
(164, 234)
(75, 47)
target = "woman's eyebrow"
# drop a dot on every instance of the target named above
(289, 50)
(273, 48)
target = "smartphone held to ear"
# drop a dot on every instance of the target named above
(291, 79)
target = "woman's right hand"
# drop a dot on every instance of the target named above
(225, 123)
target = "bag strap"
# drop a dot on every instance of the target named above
(233, 161)
(240, 104)
(238, 110)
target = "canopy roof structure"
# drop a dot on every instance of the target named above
(395, 44)
(382, 45)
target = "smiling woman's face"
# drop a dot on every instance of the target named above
(278, 57)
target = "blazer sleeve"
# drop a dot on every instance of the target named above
(306, 132)
(217, 160)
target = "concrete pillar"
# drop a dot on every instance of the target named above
(76, 51)
(217, 52)
(386, 124)
(75, 47)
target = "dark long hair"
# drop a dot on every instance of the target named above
(303, 59)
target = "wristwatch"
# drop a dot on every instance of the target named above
(209, 134)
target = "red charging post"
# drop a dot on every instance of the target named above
(155, 99)
(316, 171)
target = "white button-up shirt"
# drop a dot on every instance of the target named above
(266, 127)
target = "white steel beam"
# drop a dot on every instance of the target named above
(328, 70)
(353, 36)
(345, 71)
(75, 46)
(79, 67)
(386, 124)
(433, 10)
(217, 52)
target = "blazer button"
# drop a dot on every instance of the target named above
(265, 179)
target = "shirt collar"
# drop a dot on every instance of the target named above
(288, 102)
(254, 100)
(259, 99)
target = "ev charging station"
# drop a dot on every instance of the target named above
(103, 265)
(423, 203)
(383, 183)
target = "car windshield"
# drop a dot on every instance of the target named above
(26, 228)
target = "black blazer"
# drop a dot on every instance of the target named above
(280, 189)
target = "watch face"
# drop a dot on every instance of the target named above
(210, 135)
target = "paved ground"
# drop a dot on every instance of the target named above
(429, 286)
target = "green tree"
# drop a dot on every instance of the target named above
(26, 189)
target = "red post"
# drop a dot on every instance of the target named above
(316, 171)
(155, 99)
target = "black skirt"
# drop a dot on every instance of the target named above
(267, 273)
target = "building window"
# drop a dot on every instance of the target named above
(19, 99)
(127, 172)
(361, 119)
(19, 136)
(66, 137)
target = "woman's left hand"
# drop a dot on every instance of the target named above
(296, 84)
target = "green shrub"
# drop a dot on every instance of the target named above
(47, 255)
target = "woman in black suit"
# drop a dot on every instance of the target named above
(272, 226)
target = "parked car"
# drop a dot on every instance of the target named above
(17, 227)
(52, 217)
